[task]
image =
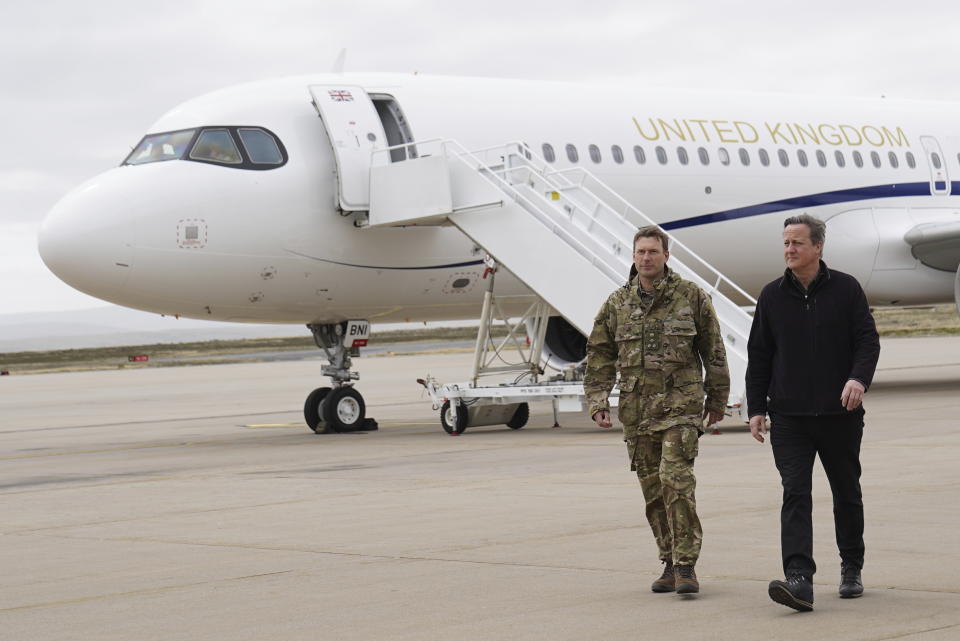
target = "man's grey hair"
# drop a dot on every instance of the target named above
(818, 228)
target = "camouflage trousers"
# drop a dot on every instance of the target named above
(663, 461)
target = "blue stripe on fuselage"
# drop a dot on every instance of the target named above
(813, 200)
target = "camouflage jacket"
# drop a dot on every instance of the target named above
(660, 354)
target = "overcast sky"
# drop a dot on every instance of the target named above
(82, 80)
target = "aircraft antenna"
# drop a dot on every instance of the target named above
(340, 62)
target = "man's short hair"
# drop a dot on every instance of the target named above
(818, 229)
(652, 231)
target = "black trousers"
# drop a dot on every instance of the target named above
(796, 441)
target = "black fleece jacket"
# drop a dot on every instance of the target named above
(805, 345)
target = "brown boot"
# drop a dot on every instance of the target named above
(667, 580)
(687, 580)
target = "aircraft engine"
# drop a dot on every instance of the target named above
(564, 345)
(956, 290)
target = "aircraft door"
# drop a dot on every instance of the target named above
(355, 130)
(939, 179)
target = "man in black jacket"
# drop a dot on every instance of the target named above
(813, 350)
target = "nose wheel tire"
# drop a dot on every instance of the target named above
(344, 410)
(453, 418)
(313, 409)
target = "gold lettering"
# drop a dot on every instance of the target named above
(830, 139)
(880, 137)
(643, 133)
(807, 132)
(743, 137)
(775, 131)
(666, 128)
(703, 129)
(846, 129)
(792, 133)
(901, 140)
(723, 130)
(689, 131)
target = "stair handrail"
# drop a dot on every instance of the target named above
(530, 160)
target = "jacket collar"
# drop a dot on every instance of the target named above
(662, 287)
(823, 275)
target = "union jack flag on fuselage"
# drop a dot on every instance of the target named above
(339, 95)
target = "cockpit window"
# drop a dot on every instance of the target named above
(216, 145)
(236, 147)
(157, 147)
(261, 146)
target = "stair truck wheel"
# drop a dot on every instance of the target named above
(453, 418)
(520, 417)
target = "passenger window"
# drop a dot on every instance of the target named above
(594, 153)
(572, 154)
(857, 159)
(158, 147)
(639, 154)
(821, 158)
(704, 156)
(935, 159)
(894, 161)
(744, 157)
(764, 157)
(841, 160)
(661, 155)
(262, 148)
(875, 159)
(548, 153)
(216, 145)
(802, 157)
(784, 158)
(724, 156)
(911, 161)
(525, 149)
(682, 155)
(617, 154)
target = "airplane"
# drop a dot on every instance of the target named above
(250, 204)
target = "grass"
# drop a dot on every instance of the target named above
(934, 320)
(201, 352)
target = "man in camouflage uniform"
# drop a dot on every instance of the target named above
(660, 332)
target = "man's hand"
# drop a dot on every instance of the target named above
(758, 426)
(602, 418)
(712, 417)
(852, 395)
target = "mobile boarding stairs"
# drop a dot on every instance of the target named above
(518, 209)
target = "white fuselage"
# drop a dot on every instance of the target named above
(274, 245)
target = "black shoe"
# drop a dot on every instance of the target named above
(796, 592)
(851, 585)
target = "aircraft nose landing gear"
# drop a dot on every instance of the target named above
(339, 408)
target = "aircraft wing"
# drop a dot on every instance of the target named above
(936, 245)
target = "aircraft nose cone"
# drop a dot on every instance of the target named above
(86, 242)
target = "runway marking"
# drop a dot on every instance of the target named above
(912, 634)
(277, 425)
(111, 595)
(145, 446)
(894, 369)
(189, 418)
(266, 425)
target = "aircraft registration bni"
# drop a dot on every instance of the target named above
(248, 204)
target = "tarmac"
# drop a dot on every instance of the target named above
(192, 503)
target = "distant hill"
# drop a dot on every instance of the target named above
(112, 325)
